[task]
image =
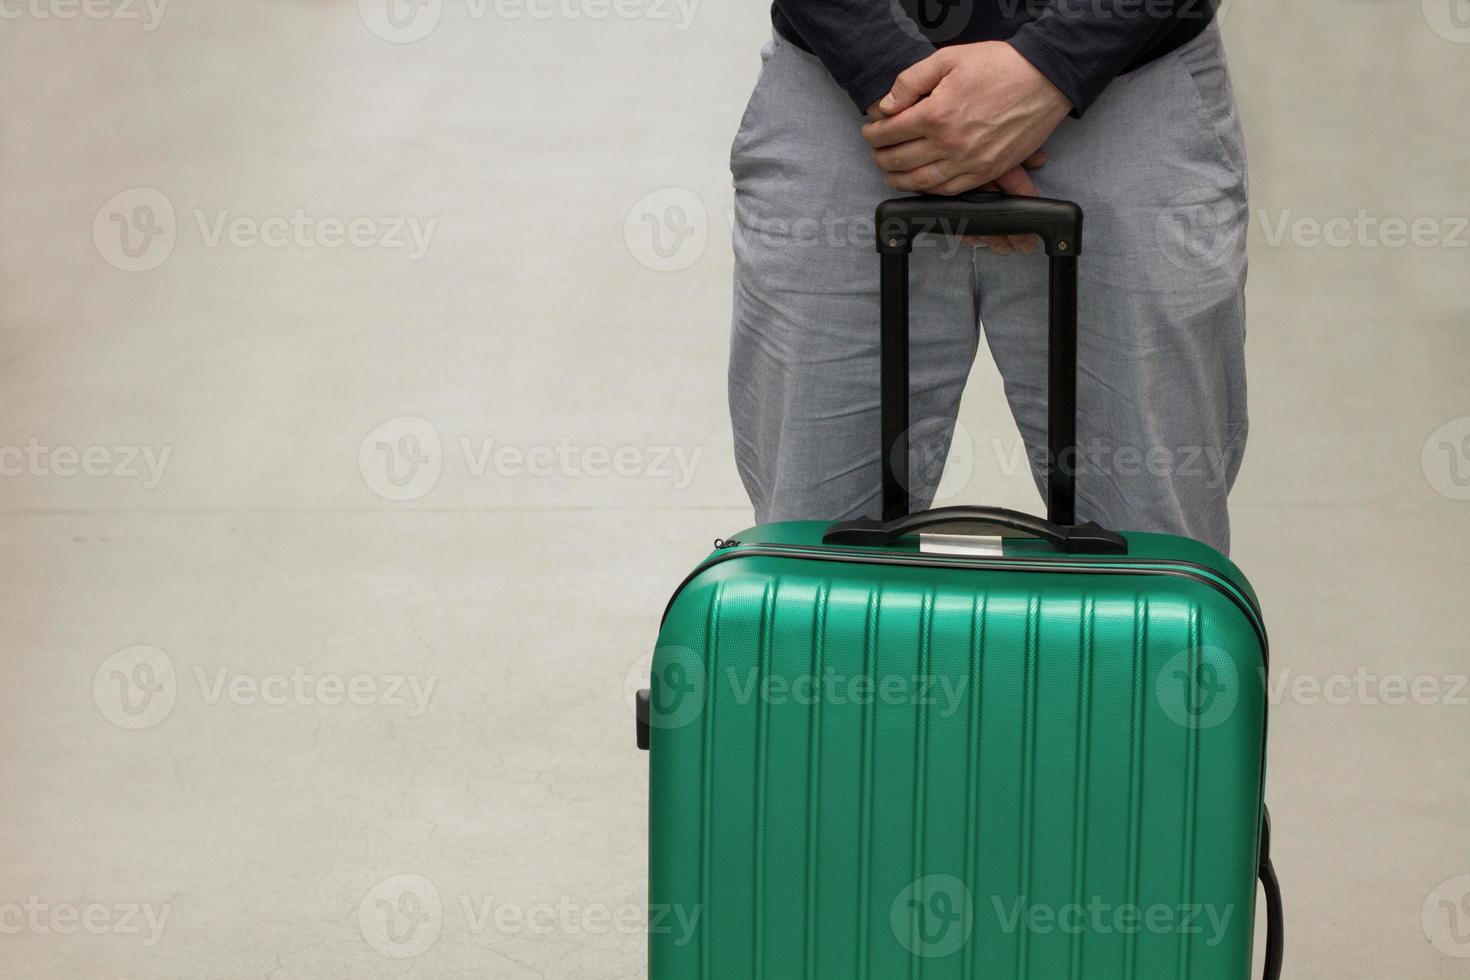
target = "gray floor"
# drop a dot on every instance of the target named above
(210, 713)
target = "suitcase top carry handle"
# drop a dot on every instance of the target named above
(1057, 223)
(1077, 539)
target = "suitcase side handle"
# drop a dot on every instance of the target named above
(1275, 913)
(1076, 539)
(1059, 225)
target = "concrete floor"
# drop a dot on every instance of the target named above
(259, 685)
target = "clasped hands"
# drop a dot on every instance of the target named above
(969, 116)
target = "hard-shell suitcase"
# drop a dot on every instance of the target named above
(963, 743)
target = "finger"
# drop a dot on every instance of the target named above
(1000, 246)
(1035, 160)
(911, 124)
(929, 177)
(958, 185)
(991, 242)
(1017, 181)
(915, 82)
(908, 156)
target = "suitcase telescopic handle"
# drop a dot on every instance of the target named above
(1059, 226)
(1087, 539)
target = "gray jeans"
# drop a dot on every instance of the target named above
(1158, 166)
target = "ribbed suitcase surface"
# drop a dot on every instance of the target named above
(921, 767)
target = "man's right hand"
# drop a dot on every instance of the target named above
(1015, 181)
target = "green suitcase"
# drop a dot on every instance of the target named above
(962, 743)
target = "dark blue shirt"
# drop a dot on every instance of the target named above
(1080, 45)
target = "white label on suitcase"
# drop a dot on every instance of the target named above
(974, 545)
